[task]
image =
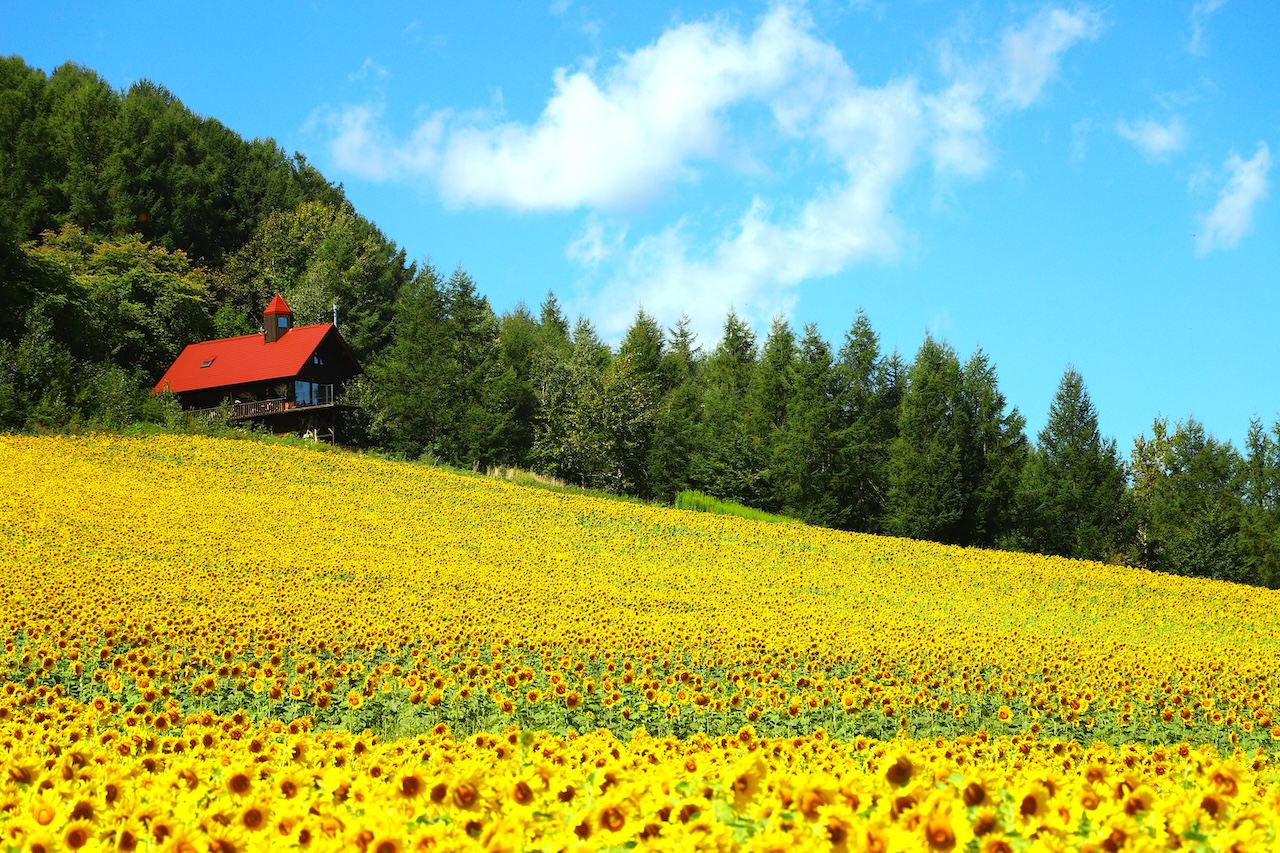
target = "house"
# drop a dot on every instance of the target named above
(287, 378)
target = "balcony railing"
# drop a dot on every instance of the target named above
(324, 396)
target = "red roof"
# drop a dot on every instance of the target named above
(278, 306)
(243, 359)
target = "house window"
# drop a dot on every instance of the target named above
(304, 393)
(206, 363)
(282, 322)
(315, 359)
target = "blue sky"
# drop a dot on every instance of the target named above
(1086, 184)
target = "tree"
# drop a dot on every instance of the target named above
(569, 438)
(867, 392)
(727, 464)
(402, 404)
(1260, 526)
(808, 451)
(143, 302)
(518, 332)
(318, 255)
(29, 173)
(676, 431)
(1073, 494)
(926, 497)
(1189, 498)
(993, 453)
(478, 388)
(766, 406)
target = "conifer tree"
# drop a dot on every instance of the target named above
(726, 465)
(1073, 491)
(926, 497)
(866, 398)
(808, 455)
(676, 421)
(993, 453)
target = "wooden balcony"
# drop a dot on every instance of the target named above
(324, 398)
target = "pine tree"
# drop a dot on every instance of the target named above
(1073, 491)
(867, 392)
(768, 400)
(926, 497)
(993, 452)
(726, 464)
(808, 454)
(676, 422)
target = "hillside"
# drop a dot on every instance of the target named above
(214, 548)
(219, 644)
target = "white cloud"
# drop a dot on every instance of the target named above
(1232, 217)
(1200, 13)
(1031, 54)
(1153, 139)
(960, 142)
(617, 139)
(614, 137)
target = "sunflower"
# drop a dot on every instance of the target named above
(410, 786)
(183, 840)
(746, 782)
(1031, 804)
(43, 813)
(256, 815)
(996, 843)
(76, 834)
(42, 841)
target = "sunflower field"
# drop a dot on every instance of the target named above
(222, 645)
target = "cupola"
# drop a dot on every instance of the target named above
(276, 320)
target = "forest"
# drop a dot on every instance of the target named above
(130, 227)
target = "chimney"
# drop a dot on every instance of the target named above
(276, 320)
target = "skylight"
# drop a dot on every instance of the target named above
(206, 363)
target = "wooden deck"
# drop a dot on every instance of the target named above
(258, 408)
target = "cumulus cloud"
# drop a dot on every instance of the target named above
(1031, 53)
(1153, 139)
(1231, 218)
(615, 136)
(1200, 14)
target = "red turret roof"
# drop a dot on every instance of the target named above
(278, 306)
(244, 359)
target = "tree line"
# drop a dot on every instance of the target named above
(130, 227)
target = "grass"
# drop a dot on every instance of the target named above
(699, 502)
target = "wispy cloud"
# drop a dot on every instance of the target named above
(1247, 185)
(1031, 53)
(1200, 14)
(596, 244)
(1154, 139)
(369, 69)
